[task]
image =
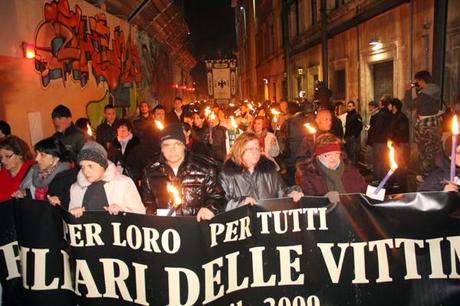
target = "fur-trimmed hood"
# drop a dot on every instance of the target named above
(264, 165)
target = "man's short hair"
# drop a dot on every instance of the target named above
(124, 122)
(351, 102)
(109, 106)
(424, 75)
(177, 98)
(397, 103)
(159, 106)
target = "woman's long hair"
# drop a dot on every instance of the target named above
(237, 150)
(17, 146)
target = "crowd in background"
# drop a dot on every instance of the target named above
(219, 157)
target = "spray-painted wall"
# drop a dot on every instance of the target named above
(84, 59)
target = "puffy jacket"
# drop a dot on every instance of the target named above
(73, 140)
(196, 179)
(119, 190)
(263, 183)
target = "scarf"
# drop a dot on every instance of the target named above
(124, 142)
(95, 197)
(44, 178)
(333, 177)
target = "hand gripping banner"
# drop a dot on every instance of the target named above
(403, 251)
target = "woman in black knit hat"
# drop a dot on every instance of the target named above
(100, 186)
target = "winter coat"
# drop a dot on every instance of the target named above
(291, 134)
(314, 184)
(59, 184)
(201, 134)
(353, 124)
(105, 134)
(196, 180)
(379, 127)
(434, 181)
(119, 190)
(131, 160)
(73, 140)
(9, 184)
(171, 117)
(400, 129)
(263, 183)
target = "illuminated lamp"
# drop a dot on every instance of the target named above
(28, 50)
(375, 44)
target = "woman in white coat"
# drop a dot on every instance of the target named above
(100, 186)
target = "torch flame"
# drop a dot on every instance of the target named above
(207, 111)
(251, 107)
(310, 129)
(89, 130)
(455, 125)
(275, 115)
(159, 124)
(393, 164)
(175, 193)
(232, 120)
(212, 116)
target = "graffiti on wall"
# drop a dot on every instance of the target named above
(67, 41)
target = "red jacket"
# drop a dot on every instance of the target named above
(9, 184)
(314, 184)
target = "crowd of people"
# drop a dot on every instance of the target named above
(220, 157)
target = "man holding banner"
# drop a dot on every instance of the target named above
(194, 176)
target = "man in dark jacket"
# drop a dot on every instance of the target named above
(428, 129)
(66, 132)
(194, 176)
(177, 114)
(353, 127)
(399, 134)
(378, 137)
(105, 132)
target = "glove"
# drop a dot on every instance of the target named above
(333, 196)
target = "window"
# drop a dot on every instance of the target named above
(339, 85)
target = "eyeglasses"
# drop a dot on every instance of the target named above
(252, 150)
(6, 156)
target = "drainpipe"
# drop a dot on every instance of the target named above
(323, 9)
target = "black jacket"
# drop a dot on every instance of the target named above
(105, 134)
(196, 179)
(380, 123)
(263, 183)
(73, 140)
(399, 130)
(171, 117)
(353, 124)
(60, 186)
(131, 161)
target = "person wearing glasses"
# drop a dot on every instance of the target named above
(248, 176)
(328, 172)
(51, 176)
(193, 175)
(16, 159)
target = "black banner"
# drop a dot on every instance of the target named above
(404, 251)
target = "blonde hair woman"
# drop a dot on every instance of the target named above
(248, 176)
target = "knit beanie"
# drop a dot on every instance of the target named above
(173, 131)
(93, 151)
(61, 111)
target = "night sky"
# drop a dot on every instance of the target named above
(212, 27)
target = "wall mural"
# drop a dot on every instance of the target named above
(67, 40)
(71, 46)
